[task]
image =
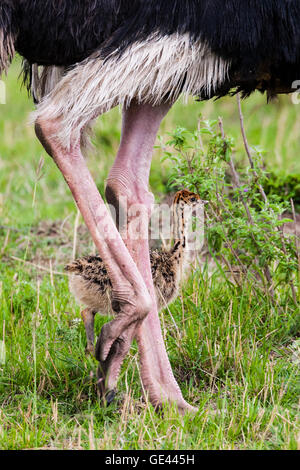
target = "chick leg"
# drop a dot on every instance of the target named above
(88, 317)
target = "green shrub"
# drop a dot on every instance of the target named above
(244, 223)
(284, 186)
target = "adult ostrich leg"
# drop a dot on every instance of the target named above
(128, 183)
(128, 263)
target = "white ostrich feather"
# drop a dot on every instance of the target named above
(153, 71)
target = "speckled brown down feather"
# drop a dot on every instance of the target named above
(90, 283)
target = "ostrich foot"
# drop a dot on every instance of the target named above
(108, 370)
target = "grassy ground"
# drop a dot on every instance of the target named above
(237, 359)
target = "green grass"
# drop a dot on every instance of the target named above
(235, 357)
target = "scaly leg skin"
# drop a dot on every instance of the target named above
(88, 317)
(109, 370)
(130, 296)
(128, 182)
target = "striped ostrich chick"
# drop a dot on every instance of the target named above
(84, 57)
(90, 283)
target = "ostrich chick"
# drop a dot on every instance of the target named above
(91, 285)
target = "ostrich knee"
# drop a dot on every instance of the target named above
(44, 130)
(127, 199)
